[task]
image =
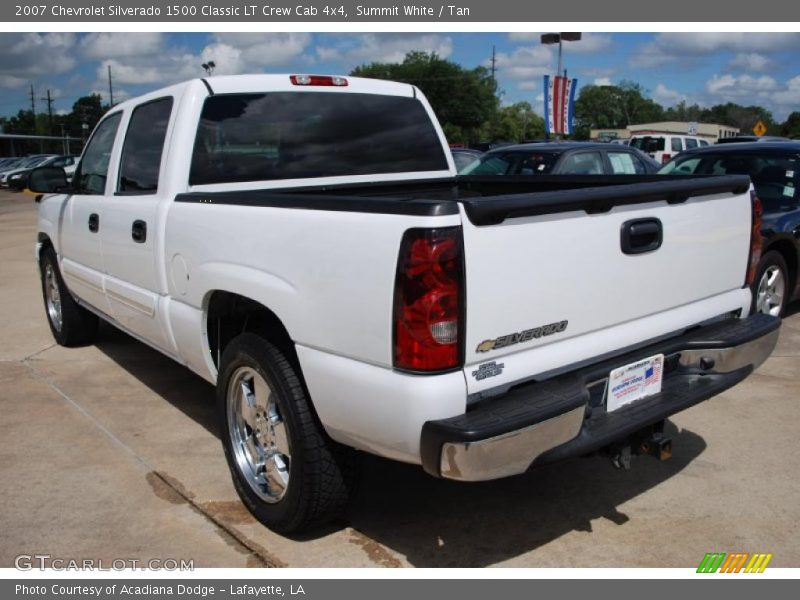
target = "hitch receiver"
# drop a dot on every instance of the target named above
(649, 441)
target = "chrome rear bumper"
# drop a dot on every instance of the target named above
(556, 419)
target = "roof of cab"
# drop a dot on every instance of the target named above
(259, 83)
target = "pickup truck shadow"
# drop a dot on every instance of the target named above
(437, 523)
(189, 393)
(432, 522)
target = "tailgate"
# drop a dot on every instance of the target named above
(554, 279)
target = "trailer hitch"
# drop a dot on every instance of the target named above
(649, 441)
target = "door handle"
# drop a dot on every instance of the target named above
(94, 222)
(641, 235)
(139, 232)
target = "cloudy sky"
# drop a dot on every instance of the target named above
(708, 68)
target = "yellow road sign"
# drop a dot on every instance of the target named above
(759, 128)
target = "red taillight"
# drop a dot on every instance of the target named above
(756, 241)
(429, 300)
(665, 158)
(318, 80)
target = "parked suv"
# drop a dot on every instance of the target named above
(665, 147)
(774, 168)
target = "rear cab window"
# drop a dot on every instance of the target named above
(299, 135)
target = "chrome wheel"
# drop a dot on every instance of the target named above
(258, 435)
(771, 289)
(53, 297)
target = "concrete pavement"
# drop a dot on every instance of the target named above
(111, 452)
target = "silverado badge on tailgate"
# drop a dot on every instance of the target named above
(521, 336)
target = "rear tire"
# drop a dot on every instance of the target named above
(70, 323)
(771, 287)
(287, 471)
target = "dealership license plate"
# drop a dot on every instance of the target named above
(634, 381)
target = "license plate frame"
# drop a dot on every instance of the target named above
(635, 381)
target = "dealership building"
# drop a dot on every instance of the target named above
(710, 131)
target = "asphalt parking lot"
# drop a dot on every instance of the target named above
(110, 452)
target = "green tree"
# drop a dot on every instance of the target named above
(514, 123)
(743, 117)
(614, 107)
(791, 127)
(463, 99)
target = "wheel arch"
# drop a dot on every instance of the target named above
(788, 250)
(228, 313)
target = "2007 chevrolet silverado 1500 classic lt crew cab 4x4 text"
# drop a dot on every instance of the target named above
(303, 243)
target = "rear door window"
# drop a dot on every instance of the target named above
(624, 163)
(582, 163)
(677, 146)
(144, 144)
(691, 143)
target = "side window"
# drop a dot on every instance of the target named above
(144, 144)
(582, 163)
(93, 169)
(623, 163)
(676, 145)
(691, 143)
(704, 143)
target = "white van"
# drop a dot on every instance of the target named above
(663, 147)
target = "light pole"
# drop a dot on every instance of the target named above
(558, 38)
(209, 67)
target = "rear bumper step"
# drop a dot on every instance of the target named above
(560, 418)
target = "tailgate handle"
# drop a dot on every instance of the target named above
(641, 235)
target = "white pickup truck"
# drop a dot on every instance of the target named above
(302, 242)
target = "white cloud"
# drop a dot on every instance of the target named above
(253, 52)
(528, 85)
(750, 61)
(28, 56)
(672, 47)
(742, 86)
(120, 45)
(597, 72)
(353, 50)
(789, 96)
(603, 81)
(761, 90)
(152, 63)
(667, 97)
(588, 44)
(526, 62)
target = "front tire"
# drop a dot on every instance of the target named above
(771, 287)
(287, 471)
(70, 323)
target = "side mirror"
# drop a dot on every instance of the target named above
(47, 180)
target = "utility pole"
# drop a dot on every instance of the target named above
(110, 89)
(33, 109)
(494, 63)
(49, 101)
